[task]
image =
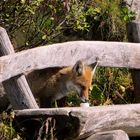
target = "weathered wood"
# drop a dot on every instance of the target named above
(109, 135)
(95, 119)
(133, 33)
(17, 89)
(113, 54)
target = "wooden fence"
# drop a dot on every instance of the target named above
(87, 121)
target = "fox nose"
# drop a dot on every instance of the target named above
(84, 99)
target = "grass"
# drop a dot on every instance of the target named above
(112, 86)
(7, 132)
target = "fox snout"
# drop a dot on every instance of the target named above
(84, 99)
(83, 95)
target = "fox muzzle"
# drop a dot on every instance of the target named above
(84, 99)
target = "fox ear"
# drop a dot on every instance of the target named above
(78, 68)
(93, 67)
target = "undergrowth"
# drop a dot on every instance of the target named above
(112, 86)
(7, 132)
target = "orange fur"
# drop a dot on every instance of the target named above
(54, 83)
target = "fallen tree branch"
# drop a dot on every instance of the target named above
(95, 119)
(65, 54)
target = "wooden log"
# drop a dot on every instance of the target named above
(94, 119)
(112, 54)
(109, 135)
(17, 89)
(133, 33)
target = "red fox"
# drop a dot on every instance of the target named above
(52, 84)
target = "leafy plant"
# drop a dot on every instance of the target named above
(7, 132)
(112, 86)
(126, 14)
(38, 22)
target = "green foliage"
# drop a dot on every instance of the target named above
(73, 100)
(7, 131)
(39, 22)
(76, 17)
(97, 96)
(126, 14)
(107, 20)
(112, 86)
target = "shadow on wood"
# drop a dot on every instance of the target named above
(133, 33)
(94, 119)
(49, 127)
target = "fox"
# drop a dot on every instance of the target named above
(51, 84)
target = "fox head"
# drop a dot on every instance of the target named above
(81, 79)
